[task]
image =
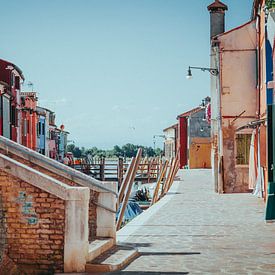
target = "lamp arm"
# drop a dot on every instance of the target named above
(210, 70)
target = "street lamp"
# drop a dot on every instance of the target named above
(154, 139)
(212, 71)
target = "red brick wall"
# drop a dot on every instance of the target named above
(34, 223)
(93, 194)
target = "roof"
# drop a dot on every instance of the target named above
(15, 67)
(171, 127)
(217, 5)
(43, 108)
(190, 112)
(234, 29)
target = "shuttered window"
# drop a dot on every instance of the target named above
(243, 148)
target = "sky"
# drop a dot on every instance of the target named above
(113, 71)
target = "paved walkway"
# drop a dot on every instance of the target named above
(192, 230)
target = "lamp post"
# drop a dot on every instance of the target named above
(212, 71)
(154, 139)
(216, 133)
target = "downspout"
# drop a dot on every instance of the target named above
(270, 204)
(220, 147)
(258, 30)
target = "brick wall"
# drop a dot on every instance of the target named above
(33, 229)
(93, 194)
(2, 231)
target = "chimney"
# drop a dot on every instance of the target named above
(217, 18)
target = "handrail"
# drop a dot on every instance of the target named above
(47, 163)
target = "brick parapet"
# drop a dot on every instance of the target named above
(34, 226)
(93, 194)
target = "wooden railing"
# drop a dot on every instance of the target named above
(148, 170)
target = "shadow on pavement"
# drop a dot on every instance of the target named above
(174, 193)
(145, 272)
(136, 244)
(168, 253)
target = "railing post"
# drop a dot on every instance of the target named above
(101, 169)
(120, 171)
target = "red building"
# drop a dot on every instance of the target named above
(10, 79)
(193, 138)
(28, 121)
(183, 135)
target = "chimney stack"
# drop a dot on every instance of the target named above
(217, 18)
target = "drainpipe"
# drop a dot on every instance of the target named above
(259, 64)
(220, 137)
(270, 204)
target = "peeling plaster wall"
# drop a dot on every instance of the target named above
(238, 95)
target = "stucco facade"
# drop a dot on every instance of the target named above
(235, 104)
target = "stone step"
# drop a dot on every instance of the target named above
(114, 259)
(98, 247)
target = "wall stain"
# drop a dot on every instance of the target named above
(28, 213)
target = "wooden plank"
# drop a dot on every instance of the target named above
(120, 171)
(129, 188)
(176, 169)
(168, 176)
(161, 176)
(125, 181)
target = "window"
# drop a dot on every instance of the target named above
(242, 148)
(43, 129)
(28, 126)
(25, 125)
(13, 116)
(12, 79)
(39, 128)
(17, 82)
(6, 117)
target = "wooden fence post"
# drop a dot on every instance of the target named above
(120, 171)
(101, 169)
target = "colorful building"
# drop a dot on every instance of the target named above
(10, 78)
(42, 131)
(194, 138)
(28, 119)
(62, 140)
(171, 141)
(189, 139)
(23, 121)
(236, 106)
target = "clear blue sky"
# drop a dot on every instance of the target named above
(113, 70)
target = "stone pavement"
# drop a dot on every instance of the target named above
(193, 230)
